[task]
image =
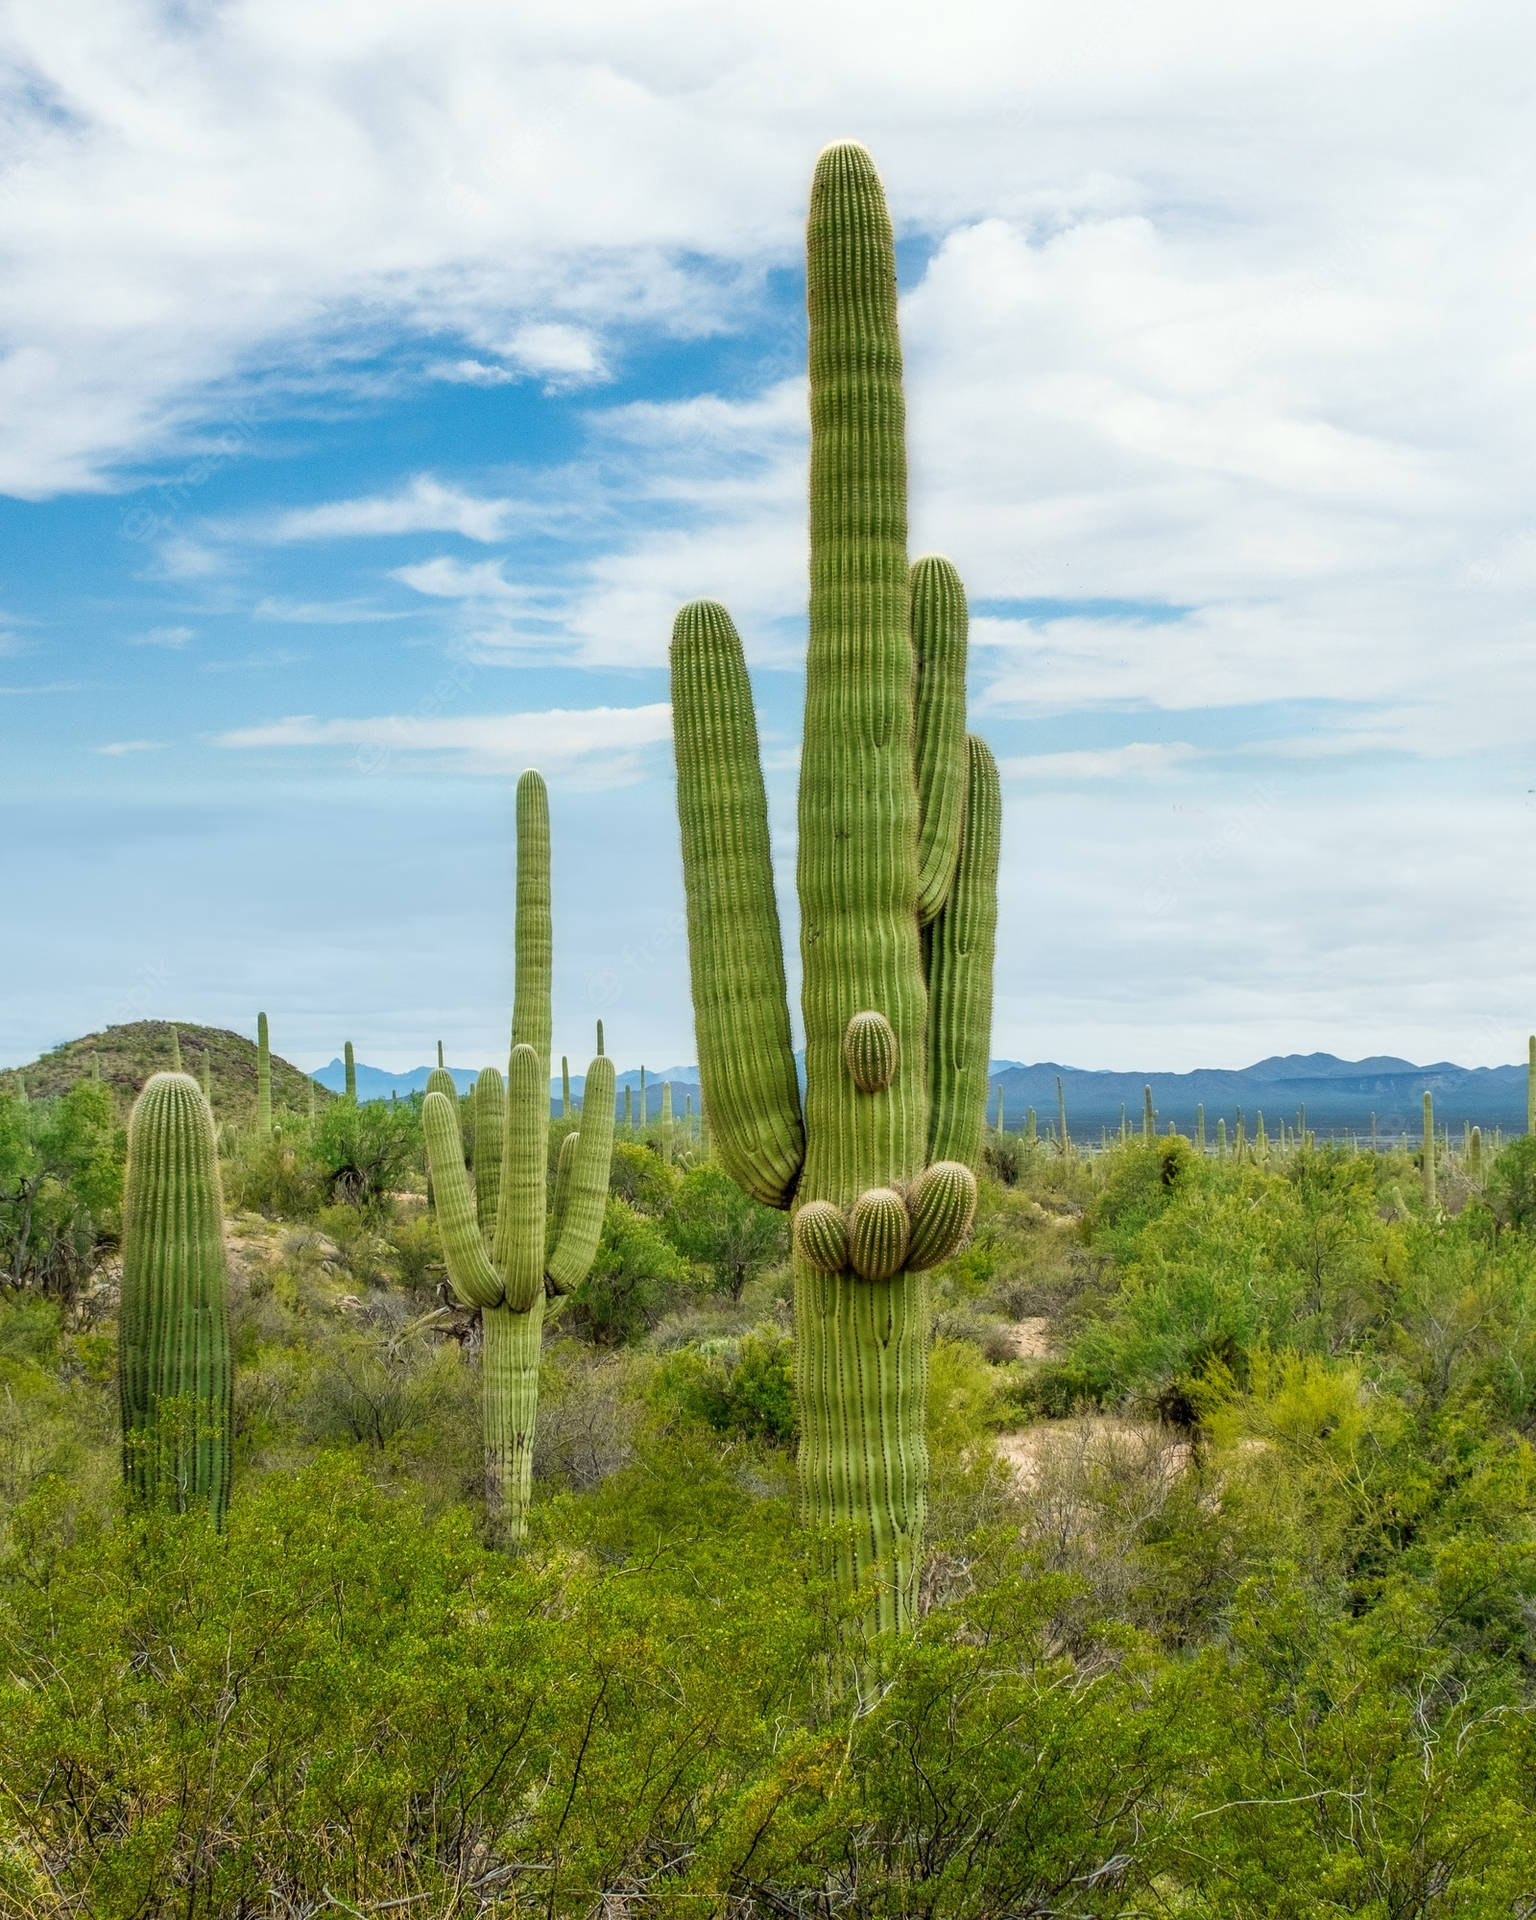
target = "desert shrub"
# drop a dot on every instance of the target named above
(641, 1178)
(743, 1387)
(714, 1224)
(61, 1184)
(363, 1152)
(635, 1276)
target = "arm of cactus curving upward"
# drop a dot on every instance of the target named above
(939, 626)
(735, 955)
(519, 1245)
(586, 1192)
(534, 936)
(470, 1272)
(490, 1131)
(960, 974)
(565, 1165)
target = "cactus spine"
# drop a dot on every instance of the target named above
(263, 1077)
(1429, 1150)
(173, 1339)
(351, 1065)
(503, 1254)
(900, 817)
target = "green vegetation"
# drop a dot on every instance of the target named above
(900, 817)
(1230, 1539)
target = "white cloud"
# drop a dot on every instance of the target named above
(172, 638)
(1141, 760)
(603, 743)
(445, 578)
(424, 505)
(470, 373)
(320, 613)
(531, 179)
(115, 747)
(564, 355)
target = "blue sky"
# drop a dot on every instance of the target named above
(374, 391)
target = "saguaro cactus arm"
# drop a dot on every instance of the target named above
(519, 1248)
(735, 954)
(490, 1146)
(470, 1272)
(586, 1191)
(939, 627)
(960, 974)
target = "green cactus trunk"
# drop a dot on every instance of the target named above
(1200, 1129)
(1061, 1119)
(263, 1078)
(1530, 1085)
(1221, 1138)
(899, 820)
(174, 1374)
(503, 1255)
(1148, 1117)
(351, 1066)
(1429, 1150)
(666, 1140)
(1475, 1152)
(565, 1088)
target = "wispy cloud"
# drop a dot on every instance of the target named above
(423, 505)
(322, 613)
(172, 638)
(561, 737)
(1139, 761)
(115, 747)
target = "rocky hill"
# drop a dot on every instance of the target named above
(130, 1054)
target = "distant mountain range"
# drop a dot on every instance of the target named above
(1339, 1096)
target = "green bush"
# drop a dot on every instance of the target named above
(743, 1387)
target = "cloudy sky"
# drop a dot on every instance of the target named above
(377, 381)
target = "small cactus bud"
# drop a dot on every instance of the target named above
(869, 1048)
(878, 1230)
(943, 1207)
(821, 1236)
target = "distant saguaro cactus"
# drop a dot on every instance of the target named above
(175, 1051)
(1475, 1153)
(1061, 1119)
(1199, 1129)
(666, 1120)
(263, 1077)
(1429, 1150)
(565, 1088)
(900, 818)
(1148, 1117)
(174, 1376)
(503, 1258)
(351, 1066)
(1530, 1085)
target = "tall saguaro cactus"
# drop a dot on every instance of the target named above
(1429, 1150)
(350, 1068)
(173, 1332)
(503, 1255)
(263, 1077)
(900, 817)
